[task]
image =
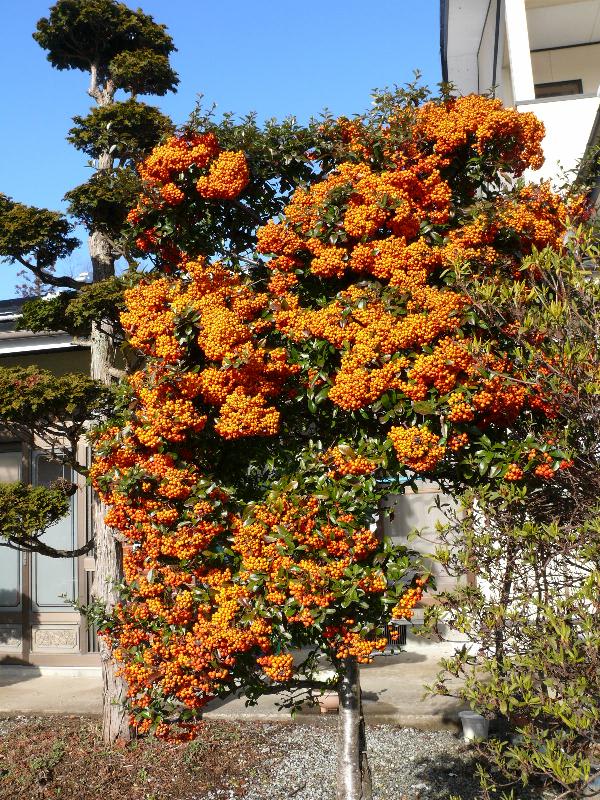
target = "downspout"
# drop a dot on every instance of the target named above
(593, 140)
(496, 43)
(444, 8)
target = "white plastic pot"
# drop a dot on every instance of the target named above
(329, 703)
(592, 790)
(475, 726)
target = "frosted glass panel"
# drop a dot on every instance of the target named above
(10, 560)
(10, 466)
(54, 577)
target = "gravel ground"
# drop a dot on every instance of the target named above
(406, 764)
(64, 757)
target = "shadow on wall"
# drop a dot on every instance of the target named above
(9, 598)
(403, 515)
(10, 639)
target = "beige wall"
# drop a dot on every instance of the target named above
(36, 625)
(57, 362)
(569, 64)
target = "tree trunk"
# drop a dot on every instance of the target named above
(109, 569)
(353, 773)
(109, 556)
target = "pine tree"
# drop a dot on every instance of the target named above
(120, 49)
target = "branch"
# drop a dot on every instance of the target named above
(247, 260)
(35, 546)
(276, 688)
(46, 277)
(109, 92)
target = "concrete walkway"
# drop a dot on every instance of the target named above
(33, 690)
(392, 692)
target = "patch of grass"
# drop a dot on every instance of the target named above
(47, 761)
(220, 736)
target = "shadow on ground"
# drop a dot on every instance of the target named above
(389, 660)
(454, 776)
(11, 673)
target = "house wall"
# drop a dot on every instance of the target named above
(568, 122)
(410, 519)
(38, 624)
(538, 42)
(58, 362)
(466, 19)
(568, 64)
(489, 53)
(554, 23)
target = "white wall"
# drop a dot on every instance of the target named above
(568, 124)
(485, 59)
(465, 25)
(417, 511)
(505, 91)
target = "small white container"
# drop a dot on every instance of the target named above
(592, 790)
(475, 726)
(329, 703)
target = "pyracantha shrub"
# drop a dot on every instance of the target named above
(278, 403)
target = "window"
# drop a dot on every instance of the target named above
(558, 88)
(54, 580)
(10, 560)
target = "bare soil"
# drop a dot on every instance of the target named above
(64, 758)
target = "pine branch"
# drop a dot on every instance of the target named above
(35, 546)
(60, 281)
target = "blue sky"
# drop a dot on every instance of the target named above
(275, 58)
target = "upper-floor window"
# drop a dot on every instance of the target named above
(558, 88)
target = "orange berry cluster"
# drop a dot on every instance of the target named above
(460, 410)
(279, 668)
(220, 174)
(404, 608)
(243, 415)
(417, 447)
(348, 462)
(159, 498)
(540, 463)
(405, 335)
(485, 126)
(228, 322)
(300, 556)
(537, 215)
(513, 473)
(354, 644)
(226, 178)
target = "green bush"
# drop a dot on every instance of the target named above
(528, 554)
